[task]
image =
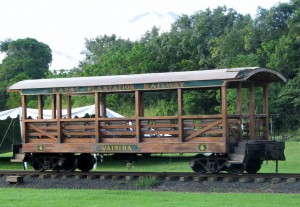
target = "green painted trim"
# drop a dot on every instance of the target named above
(117, 148)
(126, 87)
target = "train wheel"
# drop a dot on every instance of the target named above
(253, 166)
(85, 162)
(236, 168)
(37, 164)
(198, 164)
(69, 163)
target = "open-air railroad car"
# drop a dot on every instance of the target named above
(226, 141)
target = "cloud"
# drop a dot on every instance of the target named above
(65, 55)
(139, 24)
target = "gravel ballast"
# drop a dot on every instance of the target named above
(174, 186)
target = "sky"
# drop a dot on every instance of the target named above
(65, 24)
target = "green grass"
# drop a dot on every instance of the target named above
(147, 182)
(16, 197)
(292, 163)
(175, 162)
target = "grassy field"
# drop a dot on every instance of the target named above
(176, 163)
(12, 197)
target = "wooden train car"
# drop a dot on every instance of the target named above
(226, 141)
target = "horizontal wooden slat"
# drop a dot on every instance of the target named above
(31, 134)
(116, 119)
(213, 131)
(158, 118)
(215, 116)
(39, 120)
(197, 124)
(118, 133)
(155, 140)
(40, 141)
(206, 139)
(118, 140)
(79, 133)
(79, 140)
(159, 132)
(118, 126)
(70, 127)
(159, 125)
(78, 120)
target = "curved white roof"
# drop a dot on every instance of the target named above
(201, 75)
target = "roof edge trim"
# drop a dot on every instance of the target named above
(246, 76)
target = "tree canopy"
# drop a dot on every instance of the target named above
(25, 59)
(208, 39)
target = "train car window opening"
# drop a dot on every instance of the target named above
(160, 103)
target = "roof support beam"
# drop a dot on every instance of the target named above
(252, 111)
(40, 106)
(24, 113)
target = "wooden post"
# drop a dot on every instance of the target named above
(266, 110)
(239, 106)
(252, 111)
(40, 106)
(53, 107)
(103, 105)
(69, 106)
(239, 103)
(224, 111)
(24, 117)
(142, 107)
(137, 114)
(180, 114)
(59, 116)
(97, 115)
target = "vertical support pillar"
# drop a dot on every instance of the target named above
(137, 115)
(142, 107)
(97, 115)
(24, 117)
(69, 106)
(180, 114)
(266, 111)
(59, 116)
(103, 105)
(224, 111)
(239, 110)
(40, 106)
(239, 104)
(53, 107)
(252, 111)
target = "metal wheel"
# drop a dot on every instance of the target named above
(69, 163)
(198, 164)
(85, 162)
(236, 168)
(37, 164)
(253, 165)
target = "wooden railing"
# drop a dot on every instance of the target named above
(124, 130)
(239, 127)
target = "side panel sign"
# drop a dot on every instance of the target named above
(117, 148)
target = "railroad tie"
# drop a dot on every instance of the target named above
(14, 179)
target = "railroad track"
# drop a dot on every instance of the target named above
(164, 176)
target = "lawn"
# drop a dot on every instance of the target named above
(14, 197)
(175, 162)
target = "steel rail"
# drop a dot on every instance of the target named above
(155, 174)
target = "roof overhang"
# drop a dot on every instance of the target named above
(261, 75)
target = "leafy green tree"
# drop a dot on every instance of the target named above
(25, 59)
(208, 39)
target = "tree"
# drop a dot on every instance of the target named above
(25, 59)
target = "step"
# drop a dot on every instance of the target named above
(239, 150)
(236, 157)
(18, 158)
